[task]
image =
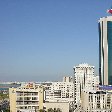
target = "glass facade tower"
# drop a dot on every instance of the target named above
(105, 50)
(109, 37)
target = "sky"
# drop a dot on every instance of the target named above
(42, 40)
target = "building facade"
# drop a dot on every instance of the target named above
(84, 78)
(67, 79)
(62, 106)
(26, 98)
(96, 101)
(60, 92)
(105, 50)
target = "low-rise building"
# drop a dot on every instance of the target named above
(96, 101)
(62, 106)
(60, 91)
(26, 98)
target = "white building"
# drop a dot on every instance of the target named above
(67, 79)
(96, 101)
(84, 78)
(60, 91)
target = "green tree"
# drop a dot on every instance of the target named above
(50, 110)
(58, 110)
(41, 110)
(54, 110)
(7, 110)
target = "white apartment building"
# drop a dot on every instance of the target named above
(67, 79)
(60, 91)
(26, 98)
(96, 101)
(84, 78)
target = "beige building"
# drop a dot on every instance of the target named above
(63, 106)
(27, 98)
(96, 101)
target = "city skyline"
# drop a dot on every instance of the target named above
(43, 40)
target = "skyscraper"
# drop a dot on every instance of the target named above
(105, 50)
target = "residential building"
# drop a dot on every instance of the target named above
(67, 79)
(60, 91)
(26, 98)
(105, 50)
(84, 78)
(96, 101)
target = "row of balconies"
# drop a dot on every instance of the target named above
(100, 105)
(27, 93)
(27, 103)
(27, 98)
(28, 108)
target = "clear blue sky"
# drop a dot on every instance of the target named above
(42, 40)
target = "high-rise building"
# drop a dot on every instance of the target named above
(84, 78)
(105, 50)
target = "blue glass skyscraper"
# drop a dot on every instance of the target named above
(105, 50)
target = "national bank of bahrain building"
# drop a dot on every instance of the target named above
(105, 50)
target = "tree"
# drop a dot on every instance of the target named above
(59, 110)
(50, 110)
(41, 110)
(54, 110)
